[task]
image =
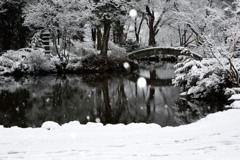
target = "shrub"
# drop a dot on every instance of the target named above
(116, 51)
(25, 60)
(201, 79)
(131, 45)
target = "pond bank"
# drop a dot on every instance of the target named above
(34, 62)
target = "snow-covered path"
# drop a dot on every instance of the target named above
(216, 137)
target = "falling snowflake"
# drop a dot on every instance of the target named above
(98, 120)
(141, 82)
(126, 65)
(133, 13)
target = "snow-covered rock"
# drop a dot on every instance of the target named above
(235, 105)
(234, 97)
(49, 125)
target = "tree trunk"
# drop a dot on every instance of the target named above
(94, 36)
(151, 41)
(118, 34)
(138, 28)
(152, 32)
(105, 39)
(99, 39)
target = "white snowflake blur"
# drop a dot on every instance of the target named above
(133, 13)
(141, 82)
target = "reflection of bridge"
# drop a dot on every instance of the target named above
(162, 51)
(153, 82)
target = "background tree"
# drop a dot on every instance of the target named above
(152, 22)
(106, 14)
(215, 28)
(12, 34)
(64, 19)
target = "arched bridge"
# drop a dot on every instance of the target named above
(147, 52)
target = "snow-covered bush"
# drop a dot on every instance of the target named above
(116, 51)
(131, 45)
(30, 61)
(200, 79)
(83, 49)
(25, 60)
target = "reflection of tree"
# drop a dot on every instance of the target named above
(107, 105)
(114, 100)
(115, 106)
(13, 107)
(64, 100)
(150, 99)
(190, 111)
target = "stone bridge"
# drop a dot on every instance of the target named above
(147, 52)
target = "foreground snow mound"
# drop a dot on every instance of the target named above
(50, 125)
(215, 137)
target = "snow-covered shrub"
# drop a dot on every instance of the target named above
(74, 63)
(93, 62)
(201, 78)
(40, 62)
(83, 49)
(116, 51)
(25, 60)
(131, 45)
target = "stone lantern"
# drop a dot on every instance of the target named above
(46, 41)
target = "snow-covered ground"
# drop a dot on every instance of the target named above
(216, 137)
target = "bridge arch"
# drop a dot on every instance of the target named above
(146, 52)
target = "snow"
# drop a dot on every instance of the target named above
(50, 125)
(201, 78)
(215, 137)
(28, 61)
(234, 97)
(234, 105)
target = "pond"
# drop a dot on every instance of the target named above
(105, 98)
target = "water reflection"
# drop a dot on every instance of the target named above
(28, 102)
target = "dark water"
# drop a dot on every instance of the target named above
(30, 101)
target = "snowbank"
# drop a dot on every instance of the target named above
(215, 137)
